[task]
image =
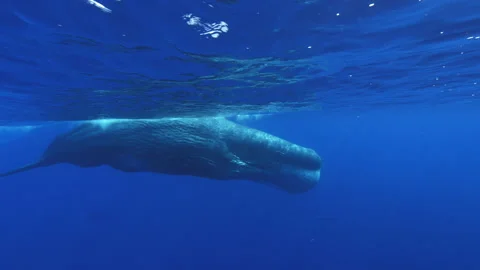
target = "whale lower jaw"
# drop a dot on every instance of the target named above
(290, 179)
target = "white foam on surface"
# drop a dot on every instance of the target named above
(210, 29)
(99, 5)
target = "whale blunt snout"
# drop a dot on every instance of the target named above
(298, 179)
(286, 166)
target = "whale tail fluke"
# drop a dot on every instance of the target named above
(27, 167)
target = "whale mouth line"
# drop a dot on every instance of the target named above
(294, 178)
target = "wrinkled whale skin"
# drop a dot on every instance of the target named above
(213, 148)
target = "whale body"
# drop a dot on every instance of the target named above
(213, 148)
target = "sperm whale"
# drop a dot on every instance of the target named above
(212, 148)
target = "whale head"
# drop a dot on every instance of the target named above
(267, 159)
(286, 173)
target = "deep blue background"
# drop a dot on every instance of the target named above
(399, 134)
(399, 190)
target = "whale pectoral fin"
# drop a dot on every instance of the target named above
(22, 169)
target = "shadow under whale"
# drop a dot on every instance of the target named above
(213, 148)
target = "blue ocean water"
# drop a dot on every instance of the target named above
(385, 91)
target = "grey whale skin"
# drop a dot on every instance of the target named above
(213, 148)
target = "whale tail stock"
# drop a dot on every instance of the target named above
(27, 167)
